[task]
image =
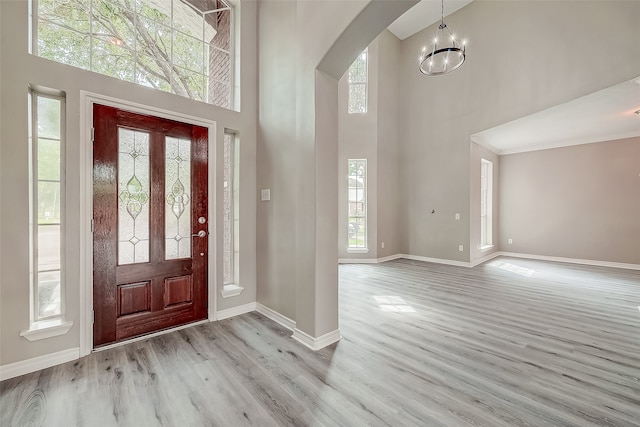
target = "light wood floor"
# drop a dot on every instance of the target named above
(509, 343)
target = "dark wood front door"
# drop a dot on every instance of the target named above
(150, 224)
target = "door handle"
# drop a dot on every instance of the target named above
(201, 233)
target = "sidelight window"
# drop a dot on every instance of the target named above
(231, 194)
(357, 200)
(47, 201)
(486, 202)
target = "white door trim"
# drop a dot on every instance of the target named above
(87, 99)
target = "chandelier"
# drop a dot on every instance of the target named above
(445, 55)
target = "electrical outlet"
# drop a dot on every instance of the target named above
(510, 241)
(382, 245)
(461, 248)
(457, 216)
(265, 195)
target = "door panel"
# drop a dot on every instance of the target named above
(150, 189)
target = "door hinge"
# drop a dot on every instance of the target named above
(93, 134)
(92, 225)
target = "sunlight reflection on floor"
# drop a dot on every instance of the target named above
(391, 303)
(522, 271)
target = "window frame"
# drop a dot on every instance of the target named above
(234, 211)
(45, 326)
(486, 204)
(364, 216)
(352, 106)
(206, 73)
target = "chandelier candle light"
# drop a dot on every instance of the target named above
(445, 55)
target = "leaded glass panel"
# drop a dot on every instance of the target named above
(177, 198)
(357, 79)
(133, 196)
(49, 301)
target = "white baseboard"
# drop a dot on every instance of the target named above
(357, 260)
(316, 343)
(436, 260)
(390, 258)
(572, 260)
(369, 260)
(485, 259)
(490, 257)
(275, 316)
(23, 367)
(236, 311)
(298, 335)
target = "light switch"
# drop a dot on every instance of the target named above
(457, 216)
(265, 194)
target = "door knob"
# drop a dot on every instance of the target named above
(201, 233)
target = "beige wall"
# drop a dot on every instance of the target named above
(575, 202)
(522, 57)
(20, 69)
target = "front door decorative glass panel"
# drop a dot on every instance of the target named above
(133, 200)
(178, 191)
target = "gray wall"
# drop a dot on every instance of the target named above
(575, 202)
(18, 69)
(390, 188)
(522, 57)
(297, 267)
(374, 136)
(277, 156)
(327, 36)
(358, 139)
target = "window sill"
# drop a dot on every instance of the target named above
(358, 250)
(231, 291)
(486, 247)
(46, 329)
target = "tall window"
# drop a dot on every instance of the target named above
(357, 193)
(486, 202)
(46, 146)
(358, 77)
(178, 46)
(231, 195)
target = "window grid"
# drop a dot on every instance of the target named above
(486, 202)
(357, 201)
(46, 148)
(358, 83)
(140, 45)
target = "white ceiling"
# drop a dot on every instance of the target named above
(606, 115)
(422, 15)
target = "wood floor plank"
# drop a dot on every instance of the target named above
(512, 342)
